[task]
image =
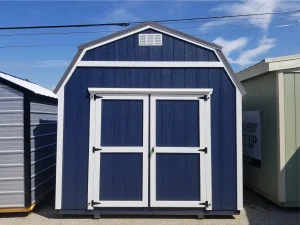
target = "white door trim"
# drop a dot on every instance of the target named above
(169, 91)
(205, 173)
(94, 158)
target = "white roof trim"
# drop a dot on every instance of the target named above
(28, 85)
(270, 64)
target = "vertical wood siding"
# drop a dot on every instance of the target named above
(11, 147)
(76, 124)
(177, 177)
(121, 176)
(122, 123)
(43, 126)
(127, 49)
(292, 135)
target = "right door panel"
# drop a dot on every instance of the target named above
(177, 153)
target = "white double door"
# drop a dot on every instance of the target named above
(150, 147)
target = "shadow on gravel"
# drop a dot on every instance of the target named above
(260, 210)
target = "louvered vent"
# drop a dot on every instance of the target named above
(150, 39)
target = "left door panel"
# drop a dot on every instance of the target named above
(120, 151)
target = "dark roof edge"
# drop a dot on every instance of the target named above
(154, 25)
(67, 71)
(231, 72)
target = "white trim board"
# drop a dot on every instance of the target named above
(59, 148)
(150, 64)
(281, 137)
(239, 151)
(179, 91)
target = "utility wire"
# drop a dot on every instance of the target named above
(54, 45)
(137, 22)
(106, 31)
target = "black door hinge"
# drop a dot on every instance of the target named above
(203, 150)
(95, 203)
(206, 204)
(96, 97)
(205, 97)
(96, 149)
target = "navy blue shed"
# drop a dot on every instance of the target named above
(149, 122)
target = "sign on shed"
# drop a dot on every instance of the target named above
(252, 138)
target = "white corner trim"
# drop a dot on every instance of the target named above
(208, 163)
(281, 137)
(150, 64)
(179, 91)
(59, 148)
(239, 150)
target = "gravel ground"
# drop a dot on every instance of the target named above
(258, 211)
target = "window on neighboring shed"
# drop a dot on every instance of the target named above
(150, 39)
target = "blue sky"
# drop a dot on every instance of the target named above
(245, 41)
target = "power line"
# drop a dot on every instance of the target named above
(124, 24)
(106, 31)
(56, 45)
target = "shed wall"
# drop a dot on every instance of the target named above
(128, 49)
(11, 147)
(76, 124)
(292, 135)
(43, 126)
(261, 96)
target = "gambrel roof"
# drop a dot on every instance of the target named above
(155, 26)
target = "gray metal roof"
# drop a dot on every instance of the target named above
(37, 89)
(161, 28)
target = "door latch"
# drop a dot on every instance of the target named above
(152, 151)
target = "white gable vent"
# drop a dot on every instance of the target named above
(150, 39)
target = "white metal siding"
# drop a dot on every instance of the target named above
(11, 148)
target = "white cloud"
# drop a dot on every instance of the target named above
(249, 56)
(248, 7)
(51, 63)
(215, 23)
(230, 46)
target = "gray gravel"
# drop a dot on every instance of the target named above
(258, 211)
